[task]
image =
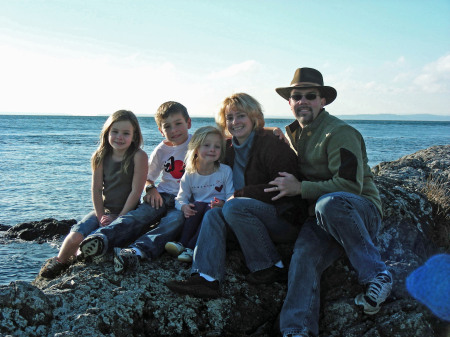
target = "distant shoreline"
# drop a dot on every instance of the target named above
(363, 117)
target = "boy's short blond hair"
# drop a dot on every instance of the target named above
(244, 103)
(169, 108)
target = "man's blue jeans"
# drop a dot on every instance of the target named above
(343, 222)
(256, 226)
(130, 226)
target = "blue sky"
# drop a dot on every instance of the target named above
(95, 57)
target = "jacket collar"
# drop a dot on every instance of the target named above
(295, 125)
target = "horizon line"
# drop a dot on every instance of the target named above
(377, 117)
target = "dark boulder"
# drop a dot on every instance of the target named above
(40, 231)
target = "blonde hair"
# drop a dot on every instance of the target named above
(244, 103)
(197, 139)
(169, 108)
(105, 148)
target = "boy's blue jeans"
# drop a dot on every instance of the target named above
(343, 222)
(128, 227)
(256, 226)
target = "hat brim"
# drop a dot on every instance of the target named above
(329, 93)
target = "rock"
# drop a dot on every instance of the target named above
(90, 300)
(40, 231)
(4, 228)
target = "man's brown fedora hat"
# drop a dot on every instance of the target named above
(308, 78)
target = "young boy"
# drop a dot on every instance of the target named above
(173, 122)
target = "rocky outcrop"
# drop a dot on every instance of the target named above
(90, 300)
(40, 231)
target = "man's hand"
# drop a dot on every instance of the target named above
(188, 210)
(287, 184)
(277, 132)
(153, 198)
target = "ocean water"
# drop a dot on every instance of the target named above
(45, 169)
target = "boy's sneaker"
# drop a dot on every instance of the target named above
(52, 268)
(174, 248)
(92, 246)
(186, 255)
(377, 291)
(195, 286)
(125, 259)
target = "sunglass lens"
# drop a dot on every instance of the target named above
(309, 97)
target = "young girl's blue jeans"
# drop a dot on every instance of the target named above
(87, 225)
(192, 225)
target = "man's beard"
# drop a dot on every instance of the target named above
(304, 118)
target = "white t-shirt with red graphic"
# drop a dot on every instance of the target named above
(168, 160)
(205, 188)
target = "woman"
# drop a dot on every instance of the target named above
(256, 157)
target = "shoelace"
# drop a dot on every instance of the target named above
(131, 258)
(377, 290)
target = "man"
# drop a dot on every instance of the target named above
(344, 203)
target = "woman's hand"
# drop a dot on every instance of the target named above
(188, 210)
(153, 198)
(287, 184)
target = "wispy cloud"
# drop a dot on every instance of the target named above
(435, 76)
(234, 70)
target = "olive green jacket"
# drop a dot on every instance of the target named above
(332, 158)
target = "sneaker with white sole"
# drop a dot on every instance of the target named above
(186, 255)
(92, 246)
(378, 290)
(125, 259)
(174, 248)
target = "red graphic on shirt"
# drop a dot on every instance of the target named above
(219, 188)
(174, 167)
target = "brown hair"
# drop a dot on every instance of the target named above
(168, 108)
(105, 148)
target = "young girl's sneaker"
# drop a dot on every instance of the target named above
(174, 248)
(186, 255)
(52, 268)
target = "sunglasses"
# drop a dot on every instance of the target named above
(309, 96)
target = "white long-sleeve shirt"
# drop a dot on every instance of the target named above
(205, 188)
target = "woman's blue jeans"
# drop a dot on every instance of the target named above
(256, 226)
(344, 222)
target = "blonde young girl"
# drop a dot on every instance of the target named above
(119, 170)
(208, 182)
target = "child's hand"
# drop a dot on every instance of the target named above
(107, 219)
(188, 210)
(217, 203)
(153, 198)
